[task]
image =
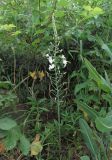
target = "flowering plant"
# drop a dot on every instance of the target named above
(59, 60)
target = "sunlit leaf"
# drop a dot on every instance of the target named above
(16, 33)
(97, 11)
(7, 27)
(88, 8)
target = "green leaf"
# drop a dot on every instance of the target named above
(107, 98)
(97, 11)
(90, 111)
(102, 146)
(104, 124)
(88, 137)
(90, 12)
(88, 8)
(59, 14)
(12, 138)
(92, 70)
(80, 86)
(2, 134)
(16, 33)
(107, 78)
(85, 158)
(6, 85)
(7, 123)
(24, 145)
(105, 47)
(101, 82)
(63, 3)
(7, 27)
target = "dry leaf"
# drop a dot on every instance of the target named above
(41, 74)
(2, 148)
(85, 116)
(36, 146)
(33, 75)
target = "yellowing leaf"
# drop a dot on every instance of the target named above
(33, 75)
(41, 75)
(36, 146)
(85, 115)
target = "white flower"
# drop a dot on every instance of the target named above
(51, 66)
(50, 60)
(47, 55)
(64, 60)
(65, 63)
(63, 57)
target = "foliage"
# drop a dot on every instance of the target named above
(10, 132)
(55, 79)
(102, 122)
(84, 158)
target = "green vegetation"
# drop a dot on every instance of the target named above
(55, 80)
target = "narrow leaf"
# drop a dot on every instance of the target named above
(90, 111)
(88, 137)
(101, 82)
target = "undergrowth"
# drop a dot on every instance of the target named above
(55, 80)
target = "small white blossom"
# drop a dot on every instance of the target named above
(64, 60)
(51, 66)
(50, 60)
(65, 63)
(63, 57)
(47, 55)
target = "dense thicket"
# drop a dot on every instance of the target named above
(55, 79)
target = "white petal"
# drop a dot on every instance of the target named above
(51, 66)
(63, 57)
(50, 59)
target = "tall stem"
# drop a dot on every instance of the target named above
(57, 83)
